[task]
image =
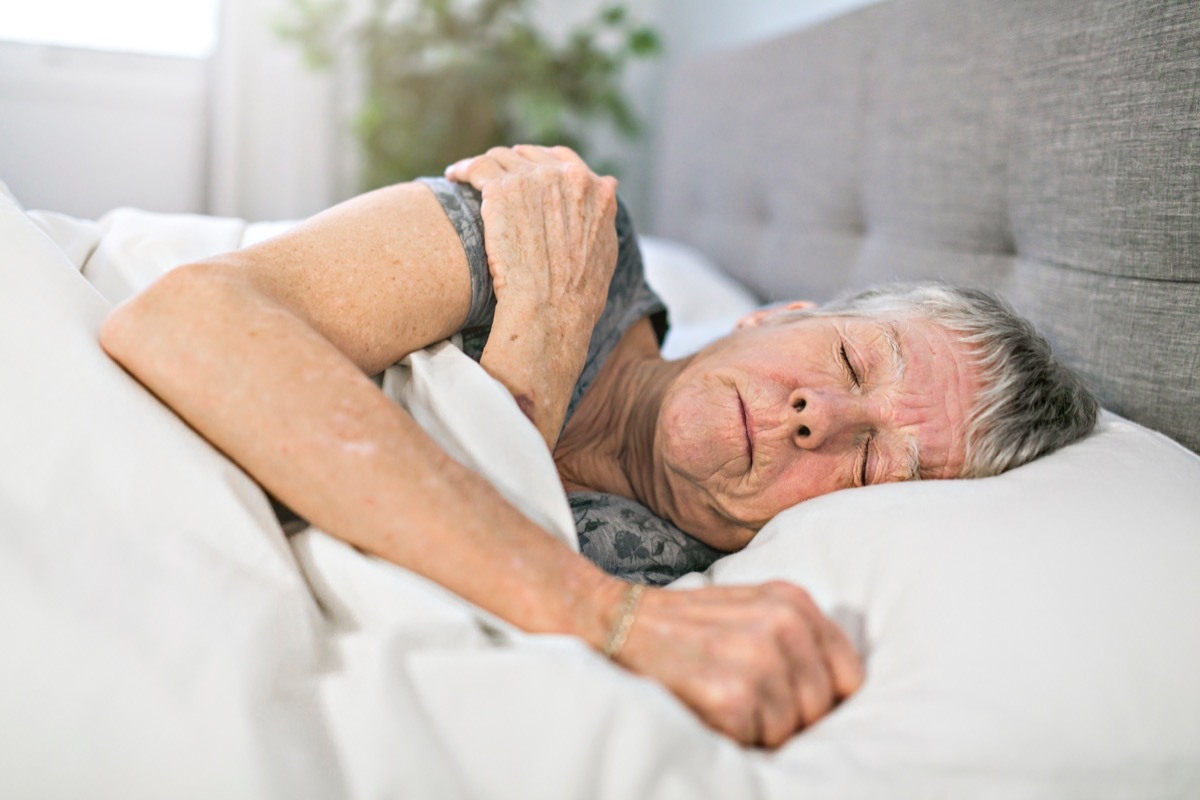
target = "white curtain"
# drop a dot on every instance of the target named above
(277, 148)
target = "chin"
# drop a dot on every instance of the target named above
(728, 539)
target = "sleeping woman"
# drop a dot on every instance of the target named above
(269, 352)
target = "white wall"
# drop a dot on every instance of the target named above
(276, 139)
(695, 26)
(84, 131)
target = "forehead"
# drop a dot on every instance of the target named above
(898, 332)
(933, 382)
(887, 330)
(884, 332)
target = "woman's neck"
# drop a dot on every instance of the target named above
(608, 443)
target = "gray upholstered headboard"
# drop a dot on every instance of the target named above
(1048, 150)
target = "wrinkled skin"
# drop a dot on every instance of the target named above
(775, 414)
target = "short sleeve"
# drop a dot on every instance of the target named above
(626, 539)
(461, 204)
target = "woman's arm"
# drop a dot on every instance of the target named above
(266, 352)
(552, 248)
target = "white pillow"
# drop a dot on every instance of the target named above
(690, 283)
(1028, 635)
(704, 303)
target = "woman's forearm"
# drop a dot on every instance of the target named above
(298, 415)
(538, 361)
(301, 418)
(550, 234)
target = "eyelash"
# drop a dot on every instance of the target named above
(866, 445)
(849, 366)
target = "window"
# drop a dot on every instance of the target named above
(185, 28)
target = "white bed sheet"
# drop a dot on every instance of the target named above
(1026, 636)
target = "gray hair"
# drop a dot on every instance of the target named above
(1031, 403)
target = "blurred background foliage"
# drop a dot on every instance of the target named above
(446, 79)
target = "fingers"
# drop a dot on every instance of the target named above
(779, 714)
(844, 664)
(499, 161)
(796, 626)
(512, 159)
(477, 171)
(810, 695)
(496, 162)
(827, 668)
(842, 670)
(546, 155)
(757, 663)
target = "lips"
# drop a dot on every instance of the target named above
(746, 428)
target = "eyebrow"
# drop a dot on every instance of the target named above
(912, 471)
(892, 334)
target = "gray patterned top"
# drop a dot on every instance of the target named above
(626, 539)
(621, 536)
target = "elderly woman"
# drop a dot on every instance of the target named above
(268, 352)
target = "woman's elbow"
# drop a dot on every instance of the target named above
(146, 327)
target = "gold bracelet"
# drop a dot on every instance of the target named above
(620, 629)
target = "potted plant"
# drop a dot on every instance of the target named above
(446, 79)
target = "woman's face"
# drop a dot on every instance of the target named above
(777, 413)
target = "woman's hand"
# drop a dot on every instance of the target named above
(550, 236)
(548, 226)
(756, 663)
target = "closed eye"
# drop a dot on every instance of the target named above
(866, 457)
(849, 366)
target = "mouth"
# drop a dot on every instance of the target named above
(746, 428)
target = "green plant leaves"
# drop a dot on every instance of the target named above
(446, 79)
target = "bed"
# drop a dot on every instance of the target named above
(1031, 635)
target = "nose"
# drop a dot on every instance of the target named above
(819, 417)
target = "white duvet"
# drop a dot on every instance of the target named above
(1027, 636)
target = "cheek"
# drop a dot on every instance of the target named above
(807, 476)
(695, 434)
(682, 431)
